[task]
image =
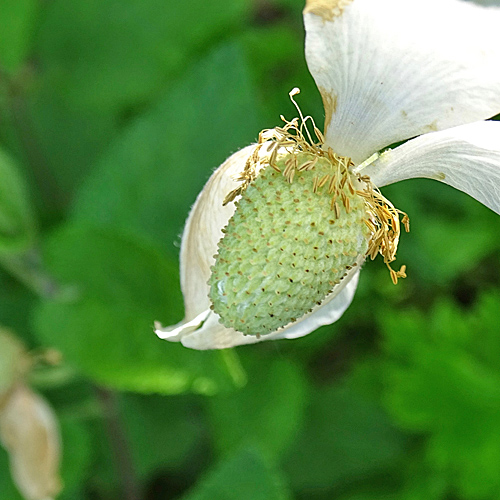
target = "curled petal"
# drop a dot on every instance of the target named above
(203, 231)
(213, 335)
(465, 157)
(390, 70)
(29, 432)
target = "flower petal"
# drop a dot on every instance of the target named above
(214, 335)
(465, 157)
(203, 231)
(390, 70)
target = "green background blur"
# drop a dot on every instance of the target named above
(114, 113)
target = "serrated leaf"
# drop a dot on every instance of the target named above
(441, 380)
(105, 330)
(450, 232)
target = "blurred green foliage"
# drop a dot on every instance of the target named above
(113, 115)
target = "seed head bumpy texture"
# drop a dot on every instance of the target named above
(284, 249)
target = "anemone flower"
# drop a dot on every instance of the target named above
(274, 243)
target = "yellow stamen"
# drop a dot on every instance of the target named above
(294, 138)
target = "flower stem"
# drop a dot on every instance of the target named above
(233, 365)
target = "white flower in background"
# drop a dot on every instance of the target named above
(302, 214)
(29, 430)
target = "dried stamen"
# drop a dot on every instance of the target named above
(294, 142)
(385, 224)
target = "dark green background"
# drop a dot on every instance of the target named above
(114, 113)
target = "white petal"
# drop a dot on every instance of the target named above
(176, 332)
(203, 231)
(213, 335)
(465, 157)
(389, 70)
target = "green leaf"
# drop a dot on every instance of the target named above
(119, 52)
(164, 436)
(106, 330)
(244, 476)
(276, 393)
(483, 321)
(283, 67)
(162, 431)
(16, 218)
(17, 28)
(422, 482)
(346, 438)
(15, 302)
(76, 456)
(152, 174)
(450, 231)
(104, 61)
(7, 487)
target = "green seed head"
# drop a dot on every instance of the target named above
(287, 245)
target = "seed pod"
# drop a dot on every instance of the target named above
(295, 233)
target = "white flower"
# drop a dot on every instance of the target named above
(29, 429)
(388, 71)
(30, 433)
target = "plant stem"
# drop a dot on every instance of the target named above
(119, 445)
(28, 268)
(18, 88)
